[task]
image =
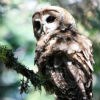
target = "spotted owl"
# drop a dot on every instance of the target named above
(63, 55)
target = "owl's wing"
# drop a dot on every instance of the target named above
(74, 70)
(82, 47)
(78, 48)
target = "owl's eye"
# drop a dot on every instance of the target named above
(37, 25)
(50, 19)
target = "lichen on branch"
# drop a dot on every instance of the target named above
(7, 57)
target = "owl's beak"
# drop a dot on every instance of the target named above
(42, 29)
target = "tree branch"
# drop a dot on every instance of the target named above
(7, 57)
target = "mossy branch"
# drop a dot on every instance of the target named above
(7, 57)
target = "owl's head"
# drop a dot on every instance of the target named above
(49, 19)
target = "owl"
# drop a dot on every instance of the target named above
(63, 55)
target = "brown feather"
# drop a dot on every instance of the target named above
(64, 57)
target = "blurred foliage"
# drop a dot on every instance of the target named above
(17, 33)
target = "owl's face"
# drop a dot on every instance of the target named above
(47, 20)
